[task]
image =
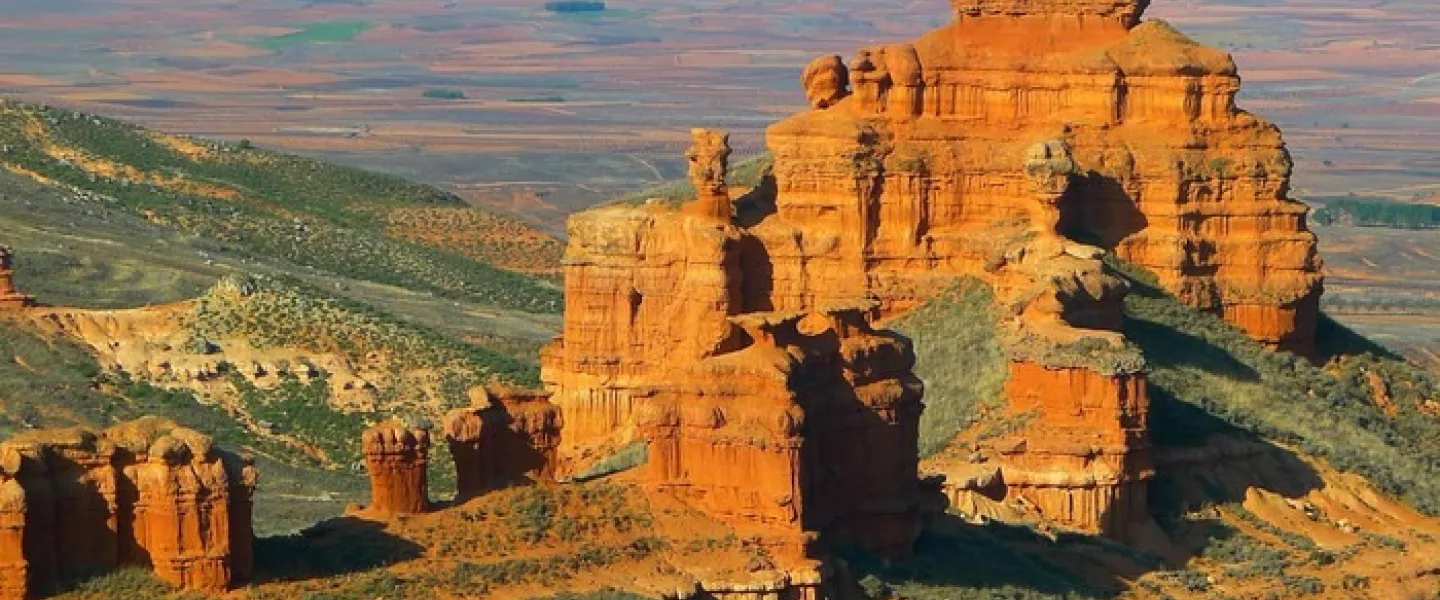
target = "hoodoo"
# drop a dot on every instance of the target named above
(396, 457)
(508, 436)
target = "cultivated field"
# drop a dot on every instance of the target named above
(542, 113)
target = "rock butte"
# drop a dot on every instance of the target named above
(149, 493)
(1017, 145)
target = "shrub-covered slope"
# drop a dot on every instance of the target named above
(274, 206)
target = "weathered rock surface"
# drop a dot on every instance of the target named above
(396, 457)
(509, 436)
(905, 176)
(146, 493)
(9, 296)
(1083, 457)
(1017, 144)
(786, 422)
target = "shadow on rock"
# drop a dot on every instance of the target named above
(957, 559)
(335, 547)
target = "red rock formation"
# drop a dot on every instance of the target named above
(181, 513)
(646, 287)
(510, 436)
(148, 493)
(658, 334)
(1082, 458)
(739, 437)
(981, 149)
(9, 296)
(396, 457)
(906, 176)
(14, 568)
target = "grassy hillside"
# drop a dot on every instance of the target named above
(55, 383)
(267, 205)
(105, 215)
(1207, 377)
(1201, 366)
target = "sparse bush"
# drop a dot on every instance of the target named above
(1302, 585)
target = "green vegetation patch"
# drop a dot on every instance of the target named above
(1362, 212)
(1207, 377)
(318, 33)
(443, 94)
(957, 345)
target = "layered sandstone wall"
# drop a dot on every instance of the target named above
(752, 414)
(904, 175)
(1082, 456)
(146, 493)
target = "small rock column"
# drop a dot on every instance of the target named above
(396, 458)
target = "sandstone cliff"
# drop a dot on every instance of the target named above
(148, 493)
(903, 177)
(786, 422)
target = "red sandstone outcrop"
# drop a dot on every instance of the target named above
(510, 436)
(903, 177)
(789, 422)
(1083, 457)
(1001, 146)
(146, 493)
(396, 457)
(9, 296)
